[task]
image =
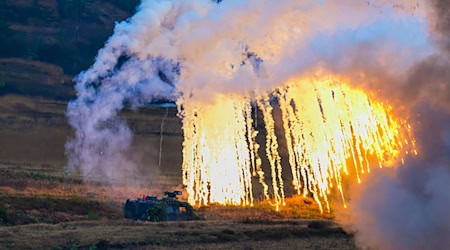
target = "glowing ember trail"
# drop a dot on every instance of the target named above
(272, 151)
(217, 154)
(327, 125)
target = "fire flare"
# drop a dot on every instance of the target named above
(218, 151)
(326, 124)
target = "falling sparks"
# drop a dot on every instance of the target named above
(217, 159)
(327, 123)
(330, 130)
(272, 151)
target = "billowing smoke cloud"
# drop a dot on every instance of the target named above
(199, 48)
(194, 49)
(102, 143)
(407, 208)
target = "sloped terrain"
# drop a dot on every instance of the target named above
(48, 42)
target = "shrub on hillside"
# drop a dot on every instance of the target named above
(2, 80)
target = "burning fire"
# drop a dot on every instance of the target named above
(331, 130)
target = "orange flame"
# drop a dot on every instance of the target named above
(326, 123)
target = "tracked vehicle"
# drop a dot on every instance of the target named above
(150, 208)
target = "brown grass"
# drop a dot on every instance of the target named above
(297, 207)
(21, 71)
(200, 234)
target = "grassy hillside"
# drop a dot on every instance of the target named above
(34, 130)
(44, 43)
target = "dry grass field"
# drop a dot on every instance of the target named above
(292, 234)
(41, 209)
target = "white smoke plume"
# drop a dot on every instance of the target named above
(196, 48)
(102, 140)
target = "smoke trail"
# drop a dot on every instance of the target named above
(161, 134)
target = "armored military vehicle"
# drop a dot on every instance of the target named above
(150, 208)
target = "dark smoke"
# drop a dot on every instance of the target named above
(442, 21)
(429, 80)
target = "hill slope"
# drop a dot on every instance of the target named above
(44, 43)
